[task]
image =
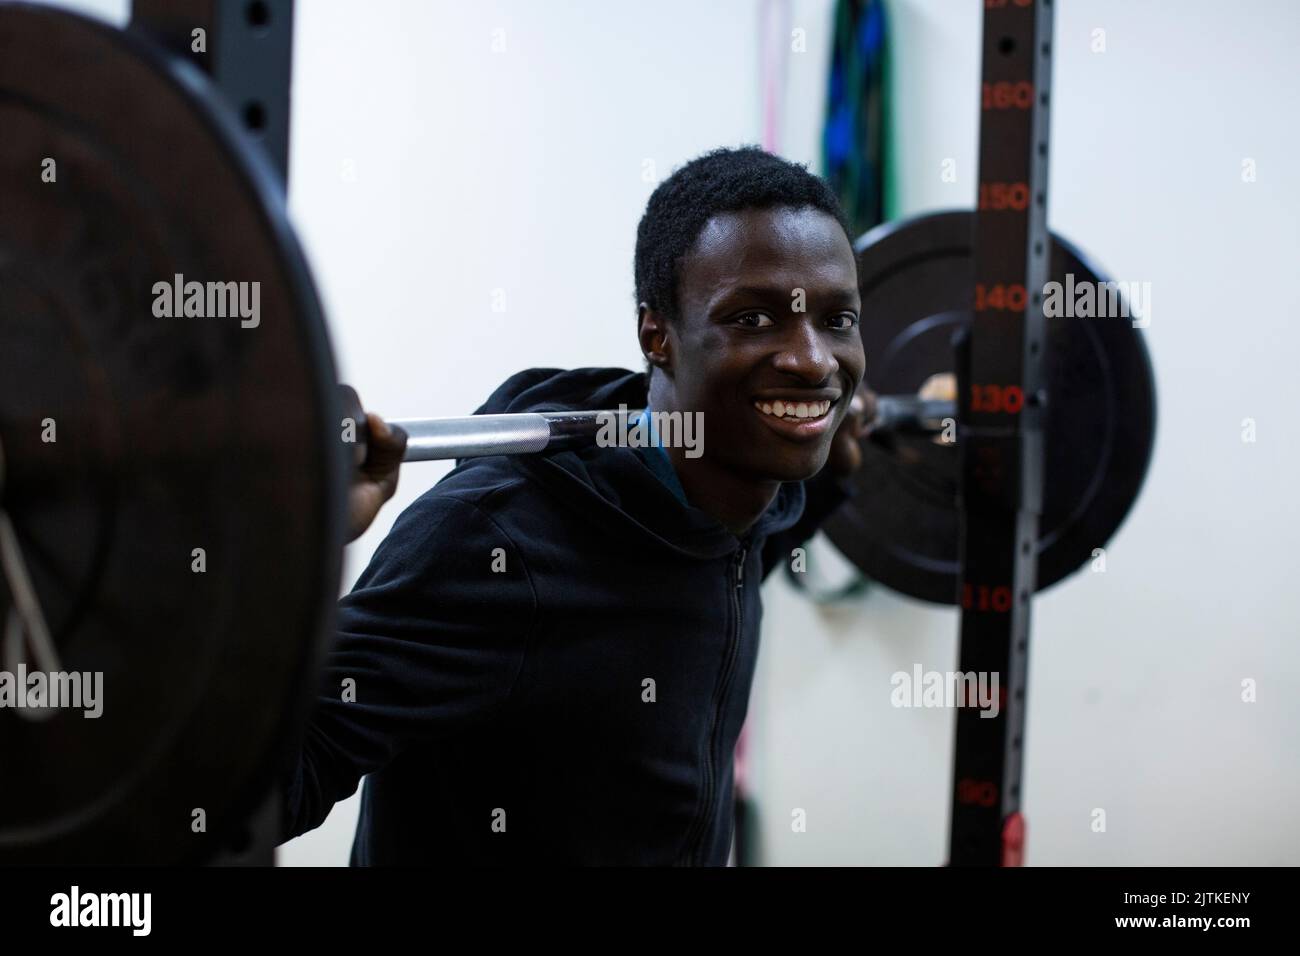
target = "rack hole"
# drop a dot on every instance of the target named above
(255, 116)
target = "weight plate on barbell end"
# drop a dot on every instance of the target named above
(171, 435)
(901, 528)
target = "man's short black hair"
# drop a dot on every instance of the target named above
(724, 180)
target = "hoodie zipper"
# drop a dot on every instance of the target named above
(737, 575)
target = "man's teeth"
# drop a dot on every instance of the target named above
(794, 409)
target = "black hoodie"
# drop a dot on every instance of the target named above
(551, 658)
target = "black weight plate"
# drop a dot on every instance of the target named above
(172, 434)
(902, 526)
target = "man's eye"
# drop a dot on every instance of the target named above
(755, 320)
(846, 320)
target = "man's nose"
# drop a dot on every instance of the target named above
(805, 352)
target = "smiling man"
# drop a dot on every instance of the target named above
(549, 659)
(748, 309)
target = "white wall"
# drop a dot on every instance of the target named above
(1135, 683)
(428, 171)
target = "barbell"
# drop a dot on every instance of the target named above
(175, 486)
(530, 433)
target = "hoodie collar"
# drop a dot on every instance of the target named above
(656, 457)
(616, 486)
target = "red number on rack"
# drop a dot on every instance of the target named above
(981, 597)
(983, 793)
(968, 696)
(1004, 95)
(997, 398)
(1000, 297)
(1004, 196)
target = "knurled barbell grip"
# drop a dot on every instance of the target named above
(907, 413)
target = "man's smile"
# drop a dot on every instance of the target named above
(799, 417)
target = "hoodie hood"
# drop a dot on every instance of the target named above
(487, 685)
(615, 486)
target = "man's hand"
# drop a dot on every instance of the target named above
(846, 447)
(376, 480)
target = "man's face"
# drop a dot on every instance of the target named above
(744, 352)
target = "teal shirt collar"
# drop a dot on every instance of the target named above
(657, 458)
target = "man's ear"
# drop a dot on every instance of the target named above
(652, 332)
